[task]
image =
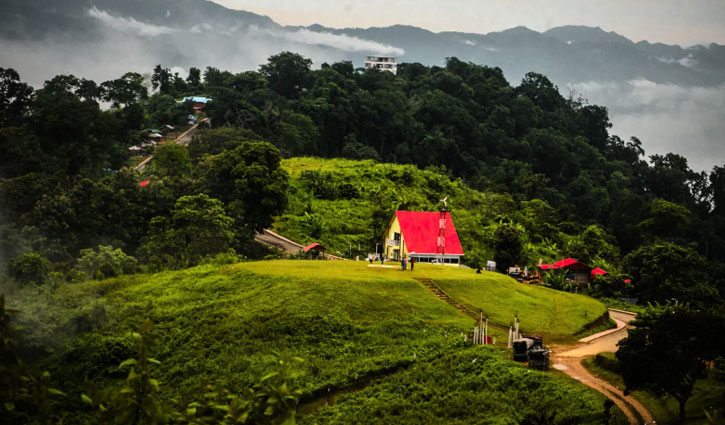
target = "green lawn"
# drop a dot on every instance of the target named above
(708, 394)
(555, 315)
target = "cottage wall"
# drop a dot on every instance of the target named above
(394, 248)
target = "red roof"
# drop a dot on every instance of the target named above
(597, 272)
(420, 232)
(144, 183)
(567, 263)
(314, 246)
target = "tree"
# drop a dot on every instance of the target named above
(662, 271)
(91, 261)
(665, 219)
(161, 79)
(507, 245)
(29, 269)
(198, 227)
(288, 73)
(663, 352)
(194, 78)
(125, 91)
(15, 97)
(592, 244)
(250, 181)
(541, 91)
(173, 160)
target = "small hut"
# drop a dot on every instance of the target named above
(315, 251)
(578, 272)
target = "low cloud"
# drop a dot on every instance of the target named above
(342, 42)
(129, 25)
(666, 117)
(688, 61)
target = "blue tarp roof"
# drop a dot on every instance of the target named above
(196, 99)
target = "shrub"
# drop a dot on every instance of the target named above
(105, 262)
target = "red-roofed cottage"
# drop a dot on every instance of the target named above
(425, 236)
(577, 271)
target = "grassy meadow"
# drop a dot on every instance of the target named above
(350, 322)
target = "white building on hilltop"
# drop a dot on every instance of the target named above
(385, 63)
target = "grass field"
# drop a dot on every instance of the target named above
(708, 394)
(555, 315)
(347, 320)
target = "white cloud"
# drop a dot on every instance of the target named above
(688, 61)
(342, 42)
(129, 25)
(666, 117)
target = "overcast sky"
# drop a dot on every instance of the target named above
(683, 22)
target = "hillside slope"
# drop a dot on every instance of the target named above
(347, 320)
(347, 204)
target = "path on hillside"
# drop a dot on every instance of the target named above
(569, 360)
(438, 292)
(183, 140)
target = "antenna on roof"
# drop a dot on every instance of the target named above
(441, 246)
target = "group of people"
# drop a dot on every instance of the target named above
(404, 263)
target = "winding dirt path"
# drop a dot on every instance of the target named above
(569, 361)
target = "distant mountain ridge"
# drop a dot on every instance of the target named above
(173, 28)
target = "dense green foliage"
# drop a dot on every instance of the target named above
(707, 397)
(669, 350)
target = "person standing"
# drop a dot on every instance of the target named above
(412, 263)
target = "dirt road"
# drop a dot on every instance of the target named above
(569, 361)
(183, 139)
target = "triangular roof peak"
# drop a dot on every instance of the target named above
(420, 232)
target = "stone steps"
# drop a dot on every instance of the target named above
(438, 292)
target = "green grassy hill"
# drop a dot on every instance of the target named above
(347, 204)
(350, 322)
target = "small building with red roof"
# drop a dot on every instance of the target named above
(424, 236)
(315, 250)
(580, 272)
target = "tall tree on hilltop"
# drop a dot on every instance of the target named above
(287, 73)
(15, 97)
